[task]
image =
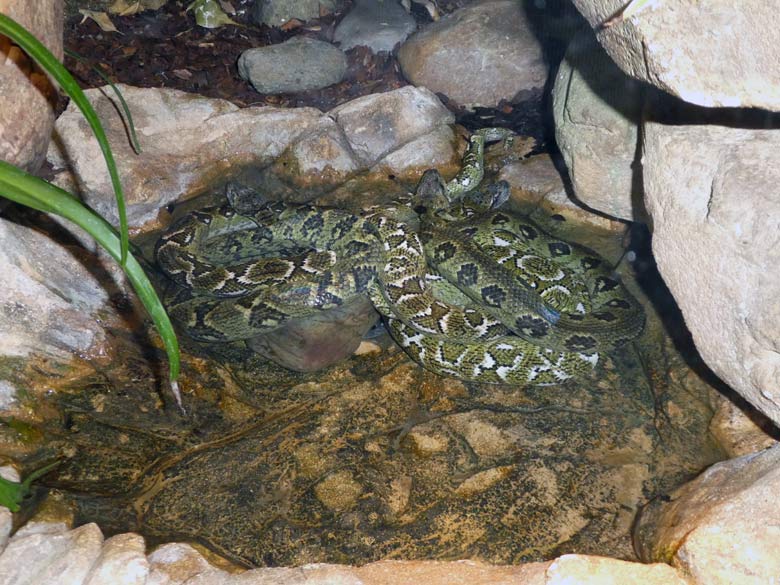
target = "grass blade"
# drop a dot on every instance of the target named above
(49, 63)
(125, 108)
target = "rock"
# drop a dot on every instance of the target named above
(713, 193)
(537, 186)
(26, 96)
(741, 432)
(722, 527)
(319, 161)
(436, 149)
(51, 559)
(299, 64)
(597, 110)
(172, 564)
(189, 143)
(377, 24)
(591, 570)
(324, 339)
(122, 561)
(50, 299)
(711, 55)
(476, 56)
(278, 12)
(378, 124)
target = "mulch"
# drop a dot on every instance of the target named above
(166, 48)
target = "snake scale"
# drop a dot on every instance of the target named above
(466, 289)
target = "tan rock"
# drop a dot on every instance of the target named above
(722, 527)
(714, 196)
(176, 563)
(741, 431)
(714, 54)
(591, 570)
(188, 143)
(122, 561)
(378, 124)
(42, 558)
(26, 95)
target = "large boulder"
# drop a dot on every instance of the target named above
(714, 196)
(714, 53)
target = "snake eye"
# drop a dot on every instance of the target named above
(420, 209)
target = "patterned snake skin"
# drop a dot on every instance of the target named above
(465, 289)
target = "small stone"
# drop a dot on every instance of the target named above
(339, 491)
(299, 64)
(312, 343)
(377, 24)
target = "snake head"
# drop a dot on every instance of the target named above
(431, 192)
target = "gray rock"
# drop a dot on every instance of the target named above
(278, 12)
(378, 124)
(718, 53)
(377, 24)
(477, 55)
(49, 301)
(299, 64)
(188, 142)
(597, 110)
(713, 193)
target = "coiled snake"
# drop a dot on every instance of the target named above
(465, 289)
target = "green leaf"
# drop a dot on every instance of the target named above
(12, 493)
(33, 192)
(53, 67)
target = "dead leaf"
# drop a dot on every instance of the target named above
(101, 18)
(291, 24)
(129, 7)
(182, 73)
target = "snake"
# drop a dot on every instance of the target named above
(465, 288)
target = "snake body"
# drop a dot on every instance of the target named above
(466, 290)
